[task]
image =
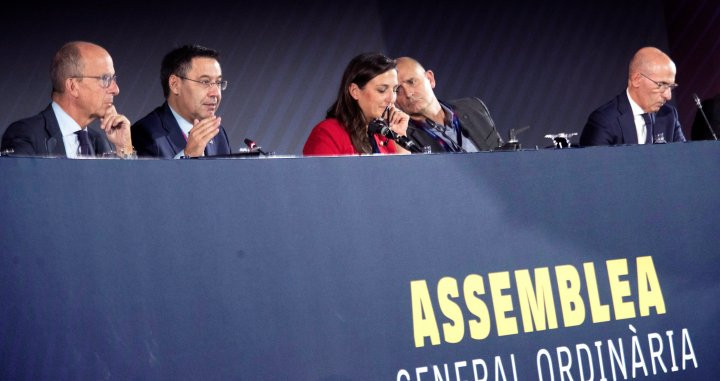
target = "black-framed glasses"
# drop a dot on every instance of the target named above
(106, 80)
(206, 83)
(662, 85)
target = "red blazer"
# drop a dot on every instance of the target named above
(330, 138)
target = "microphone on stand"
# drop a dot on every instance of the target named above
(254, 147)
(380, 126)
(707, 122)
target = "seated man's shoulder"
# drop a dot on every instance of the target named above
(602, 126)
(470, 105)
(151, 122)
(26, 125)
(153, 117)
(467, 101)
(607, 109)
(25, 136)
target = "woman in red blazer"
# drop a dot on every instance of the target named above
(368, 91)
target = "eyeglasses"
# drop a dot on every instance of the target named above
(662, 85)
(106, 80)
(206, 83)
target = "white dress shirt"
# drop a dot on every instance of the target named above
(68, 129)
(640, 126)
(185, 126)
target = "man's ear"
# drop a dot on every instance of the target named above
(431, 78)
(174, 84)
(71, 87)
(634, 80)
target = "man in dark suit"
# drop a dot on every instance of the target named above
(463, 125)
(700, 129)
(640, 114)
(83, 87)
(186, 124)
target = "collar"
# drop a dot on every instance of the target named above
(448, 121)
(636, 109)
(185, 126)
(68, 125)
(449, 114)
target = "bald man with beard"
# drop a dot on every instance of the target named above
(640, 114)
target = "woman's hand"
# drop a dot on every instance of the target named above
(398, 120)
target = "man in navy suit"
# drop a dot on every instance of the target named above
(640, 114)
(185, 125)
(83, 87)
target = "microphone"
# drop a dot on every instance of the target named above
(380, 126)
(707, 122)
(254, 147)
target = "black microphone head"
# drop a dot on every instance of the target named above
(251, 144)
(377, 126)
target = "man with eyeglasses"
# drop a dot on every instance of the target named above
(83, 87)
(185, 125)
(640, 114)
(462, 125)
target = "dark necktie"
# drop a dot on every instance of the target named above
(649, 124)
(84, 138)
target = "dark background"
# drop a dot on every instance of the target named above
(542, 64)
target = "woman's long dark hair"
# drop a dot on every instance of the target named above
(346, 110)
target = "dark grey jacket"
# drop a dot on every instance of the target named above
(476, 123)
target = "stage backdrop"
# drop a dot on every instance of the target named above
(546, 65)
(592, 264)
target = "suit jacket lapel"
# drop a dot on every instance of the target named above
(626, 119)
(174, 133)
(100, 144)
(468, 118)
(664, 122)
(54, 143)
(210, 149)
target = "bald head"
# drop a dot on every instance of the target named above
(649, 59)
(651, 78)
(83, 79)
(69, 61)
(409, 63)
(415, 90)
